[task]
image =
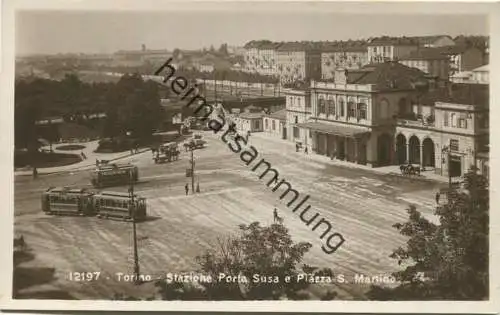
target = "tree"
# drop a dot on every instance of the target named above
(449, 260)
(223, 50)
(266, 251)
(133, 105)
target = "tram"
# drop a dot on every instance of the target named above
(106, 175)
(63, 200)
(119, 205)
(105, 204)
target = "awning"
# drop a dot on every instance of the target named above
(334, 129)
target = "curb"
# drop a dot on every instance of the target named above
(79, 168)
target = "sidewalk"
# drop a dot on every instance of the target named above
(288, 148)
(87, 164)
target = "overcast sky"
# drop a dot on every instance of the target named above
(107, 32)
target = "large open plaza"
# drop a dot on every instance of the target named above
(360, 204)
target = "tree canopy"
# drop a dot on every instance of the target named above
(263, 250)
(449, 260)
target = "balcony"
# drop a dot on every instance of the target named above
(414, 120)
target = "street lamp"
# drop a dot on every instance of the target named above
(446, 150)
(133, 210)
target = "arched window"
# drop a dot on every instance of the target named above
(321, 105)
(351, 108)
(331, 106)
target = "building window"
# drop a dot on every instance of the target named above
(296, 132)
(298, 101)
(446, 119)
(331, 107)
(351, 109)
(341, 107)
(273, 125)
(462, 122)
(266, 124)
(454, 145)
(454, 120)
(362, 108)
(321, 106)
(296, 119)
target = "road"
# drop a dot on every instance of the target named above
(361, 205)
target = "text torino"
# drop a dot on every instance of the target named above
(248, 154)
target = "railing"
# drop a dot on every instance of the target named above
(337, 86)
(416, 123)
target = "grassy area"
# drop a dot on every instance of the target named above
(41, 160)
(70, 147)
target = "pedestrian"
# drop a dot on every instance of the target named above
(198, 187)
(96, 162)
(438, 195)
(296, 147)
(35, 173)
(306, 150)
(186, 188)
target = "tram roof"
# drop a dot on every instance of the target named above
(67, 190)
(110, 167)
(115, 194)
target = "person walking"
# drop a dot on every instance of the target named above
(186, 188)
(306, 151)
(35, 173)
(296, 147)
(438, 196)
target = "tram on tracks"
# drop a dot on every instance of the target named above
(103, 204)
(106, 175)
(63, 200)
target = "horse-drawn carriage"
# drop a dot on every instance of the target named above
(408, 169)
(166, 152)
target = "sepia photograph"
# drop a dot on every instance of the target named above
(224, 154)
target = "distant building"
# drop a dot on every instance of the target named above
(348, 55)
(298, 62)
(462, 58)
(386, 48)
(275, 124)
(298, 111)
(249, 121)
(260, 57)
(429, 61)
(477, 76)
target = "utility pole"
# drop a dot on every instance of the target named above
(136, 252)
(192, 167)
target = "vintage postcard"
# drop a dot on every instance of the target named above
(236, 155)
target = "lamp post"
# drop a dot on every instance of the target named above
(133, 210)
(446, 150)
(191, 149)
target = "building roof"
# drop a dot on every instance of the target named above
(297, 46)
(393, 41)
(485, 68)
(459, 93)
(334, 129)
(281, 115)
(344, 46)
(251, 115)
(425, 54)
(450, 50)
(387, 76)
